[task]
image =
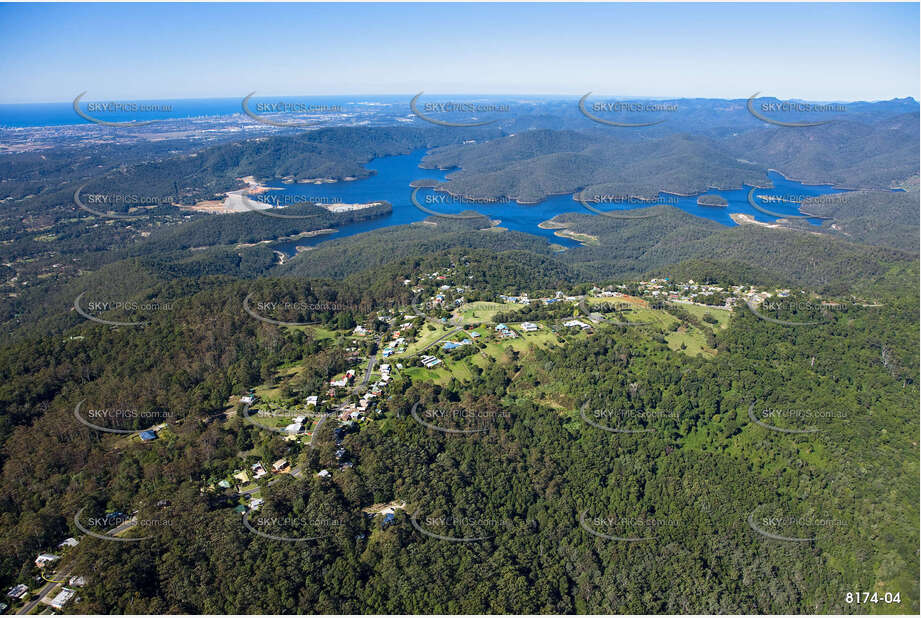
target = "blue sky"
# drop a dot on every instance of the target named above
(162, 51)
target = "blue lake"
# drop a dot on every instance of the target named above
(393, 176)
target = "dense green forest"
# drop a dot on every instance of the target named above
(525, 482)
(611, 468)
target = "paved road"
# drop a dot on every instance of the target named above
(28, 607)
(446, 335)
(360, 388)
(364, 383)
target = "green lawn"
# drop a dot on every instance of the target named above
(692, 338)
(439, 375)
(425, 338)
(483, 311)
(721, 315)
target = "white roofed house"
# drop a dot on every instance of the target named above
(44, 560)
(258, 470)
(62, 598)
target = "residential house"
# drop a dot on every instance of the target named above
(62, 598)
(44, 560)
(258, 470)
(430, 361)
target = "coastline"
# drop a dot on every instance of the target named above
(563, 231)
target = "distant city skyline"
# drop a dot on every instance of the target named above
(818, 52)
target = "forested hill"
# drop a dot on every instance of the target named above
(334, 153)
(626, 248)
(869, 153)
(539, 470)
(532, 166)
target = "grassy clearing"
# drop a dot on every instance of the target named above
(426, 337)
(693, 339)
(722, 315)
(439, 375)
(482, 311)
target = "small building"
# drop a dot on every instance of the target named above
(224, 484)
(323, 474)
(312, 400)
(247, 399)
(258, 470)
(294, 428)
(255, 503)
(77, 580)
(430, 361)
(241, 476)
(280, 466)
(62, 598)
(148, 436)
(18, 592)
(529, 327)
(44, 560)
(69, 542)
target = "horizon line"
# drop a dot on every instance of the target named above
(409, 95)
